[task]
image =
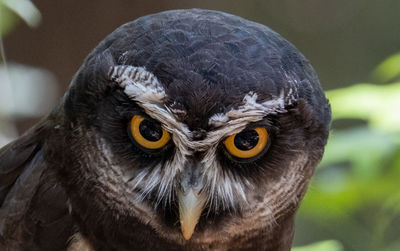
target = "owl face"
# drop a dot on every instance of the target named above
(191, 131)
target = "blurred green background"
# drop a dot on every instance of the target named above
(353, 202)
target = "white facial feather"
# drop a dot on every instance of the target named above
(223, 190)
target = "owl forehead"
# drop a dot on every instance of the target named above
(194, 104)
(145, 89)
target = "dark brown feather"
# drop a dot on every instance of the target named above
(33, 211)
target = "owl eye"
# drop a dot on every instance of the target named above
(148, 134)
(248, 143)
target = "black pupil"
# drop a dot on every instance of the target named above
(246, 140)
(150, 131)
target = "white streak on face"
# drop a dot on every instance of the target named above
(218, 119)
(139, 84)
(145, 89)
(250, 111)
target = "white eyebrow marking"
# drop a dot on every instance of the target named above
(250, 111)
(143, 87)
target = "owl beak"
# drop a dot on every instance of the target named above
(191, 204)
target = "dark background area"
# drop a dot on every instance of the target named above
(344, 40)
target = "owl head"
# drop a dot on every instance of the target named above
(189, 126)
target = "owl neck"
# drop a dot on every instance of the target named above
(141, 236)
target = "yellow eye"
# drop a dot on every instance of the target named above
(247, 143)
(148, 134)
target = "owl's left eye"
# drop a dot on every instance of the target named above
(248, 143)
(148, 134)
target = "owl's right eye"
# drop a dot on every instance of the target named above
(148, 134)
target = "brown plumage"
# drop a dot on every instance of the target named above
(83, 178)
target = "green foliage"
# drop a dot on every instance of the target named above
(388, 70)
(321, 246)
(355, 196)
(10, 10)
(378, 105)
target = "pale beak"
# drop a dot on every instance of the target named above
(191, 204)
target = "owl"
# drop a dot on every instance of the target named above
(182, 130)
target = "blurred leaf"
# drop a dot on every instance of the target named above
(25, 9)
(23, 91)
(359, 147)
(8, 19)
(356, 171)
(354, 195)
(379, 105)
(388, 70)
(330, 245)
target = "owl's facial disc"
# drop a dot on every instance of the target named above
(197, 182)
